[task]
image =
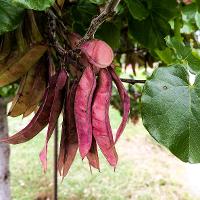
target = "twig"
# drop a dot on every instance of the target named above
(132, 81)
(97, 21)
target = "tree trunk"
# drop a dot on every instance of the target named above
(5, 193)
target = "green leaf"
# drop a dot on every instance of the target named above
(189, 18)
(151, 31)
(110, 33)
(171, 111)
(83, 13)
(189, 11)
(98, 2)
(10, 16)
(184, 54)
(8, 90)
(165, 8)
(166, 55)
(78, 28)
(197, 19)
(137, 9)
(198, 4)
(188, 28)
(34, 4)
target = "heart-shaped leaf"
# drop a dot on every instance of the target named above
(10, 16)
(171, 111)
(33, 4)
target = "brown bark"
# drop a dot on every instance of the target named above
(5, 193)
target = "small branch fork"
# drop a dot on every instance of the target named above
(109, 11)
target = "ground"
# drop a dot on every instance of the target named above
(145, 171)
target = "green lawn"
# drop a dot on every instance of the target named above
(145, 171)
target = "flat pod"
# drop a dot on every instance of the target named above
(92, 155)
(82, 109)
(71, 141)
(39, 121)
(17, 96)
(61, 157)
(30, 110)
(125, 102)
(98, 53)
(37, 89)
(5, 47)
(69, 138)
(56, 108)
(13, 58)
(21, 67)
(19, 104)
(100, 117)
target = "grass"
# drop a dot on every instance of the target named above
(145, 171)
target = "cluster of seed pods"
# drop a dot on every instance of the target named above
(85, 105)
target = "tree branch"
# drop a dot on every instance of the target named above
(132, 81)
(97, 21)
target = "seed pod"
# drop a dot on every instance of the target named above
(37, 89)
(61, 157)
(19, 104)
(35, 34)
(39, 121)
(92, 156)
(30, 110)
(98, 53)
(82, 109)
(69, 138)
(100, 117)
(56, 108)
(18, 69)
(6, 47)
(12, 58)
(125, 101)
